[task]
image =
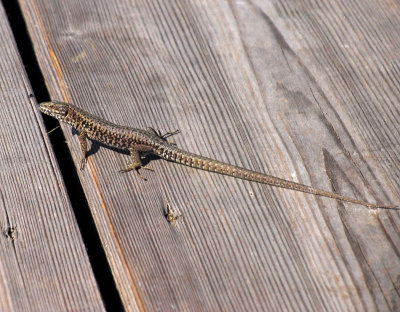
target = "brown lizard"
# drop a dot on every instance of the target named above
(139, 142)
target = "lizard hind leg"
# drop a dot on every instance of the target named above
(136, 163)
(170, 134)
(164, 136)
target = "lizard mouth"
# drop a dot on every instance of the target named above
(44, 108)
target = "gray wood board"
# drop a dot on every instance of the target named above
(43, 262)
(303, 91)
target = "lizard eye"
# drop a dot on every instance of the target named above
(59, 110)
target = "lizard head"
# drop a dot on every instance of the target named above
(56, 109)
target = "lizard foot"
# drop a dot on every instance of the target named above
(83, 163)
(136, 168)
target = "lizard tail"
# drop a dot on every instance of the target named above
(208, 164)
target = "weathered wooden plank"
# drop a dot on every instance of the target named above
(293, 89)
(43, 262)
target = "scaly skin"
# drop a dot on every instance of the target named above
(139, 142)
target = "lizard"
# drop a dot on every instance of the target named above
(141, 142)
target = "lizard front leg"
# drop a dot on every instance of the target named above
(83, 142)
(136, 163)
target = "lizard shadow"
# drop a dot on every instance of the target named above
(95, 146)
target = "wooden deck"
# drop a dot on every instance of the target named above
(304, 90)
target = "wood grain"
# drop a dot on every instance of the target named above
(304, 90)
(43, 262)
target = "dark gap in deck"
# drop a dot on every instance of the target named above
(91, 239)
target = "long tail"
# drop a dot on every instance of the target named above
(177, 155)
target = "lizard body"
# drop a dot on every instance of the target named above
(138, 141)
